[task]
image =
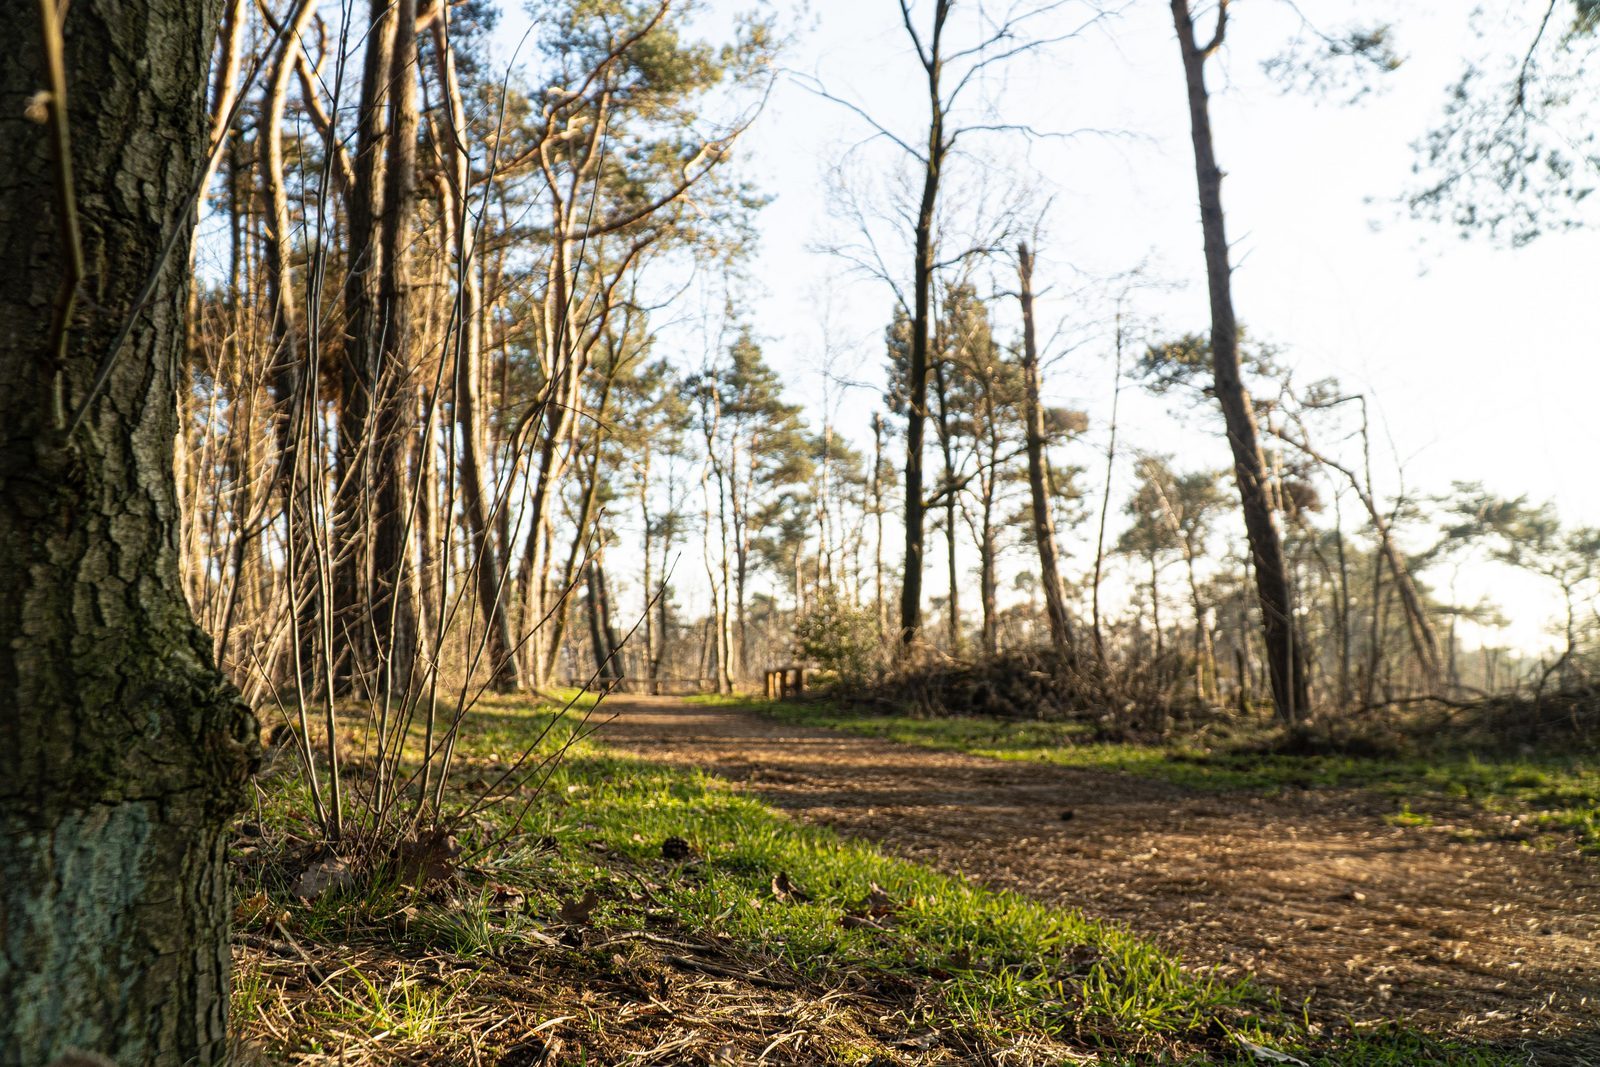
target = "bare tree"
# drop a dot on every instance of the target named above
(949, 70)
(1285, 655)
(1044, 527)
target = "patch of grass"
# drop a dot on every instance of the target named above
(1406, 817)
(989, 955)
(634, 896)
(1561, 790)
(401, 1006)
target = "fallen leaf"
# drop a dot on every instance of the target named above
(879, 902)
(250, 909)
(577, 912)
(332, 871)
(505, 897)
(920, 1042)
(1261, 1052)
(786, 891)
(425, 858)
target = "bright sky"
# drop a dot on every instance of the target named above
(1479, 359)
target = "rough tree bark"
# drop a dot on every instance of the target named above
(1044, 526)
(1286, 658)
(123, 753)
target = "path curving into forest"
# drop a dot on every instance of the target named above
(1314, 893)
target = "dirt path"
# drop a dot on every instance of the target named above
(1314, 894)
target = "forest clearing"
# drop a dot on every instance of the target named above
(646, 913)
(1171, 579)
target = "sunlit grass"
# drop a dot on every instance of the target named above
(777, 890)
(1560, 789)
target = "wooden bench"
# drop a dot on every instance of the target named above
(783, 682)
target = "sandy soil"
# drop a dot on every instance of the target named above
(1313, 893)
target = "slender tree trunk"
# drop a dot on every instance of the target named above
(1044, 525)
(350, 619)
(651, 650)
(123, 753)
(921, 313)
(1205, 653)
(287, 359)
(608, 627)
(1105, 498)
(1285, 655)
(987, 580)
(878, 603)
(591, 602)
(1155, 604)
(224, 88)
(725, 643)
(1374, 655)
(740, 501)
(432, 543)
(941, 389)
(1342, 618)
(394, 613)
(487, 564)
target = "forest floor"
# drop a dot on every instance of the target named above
(1463, 922)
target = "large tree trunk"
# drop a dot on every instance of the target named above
(1044, 526)
(1285, 657)
(123, 753)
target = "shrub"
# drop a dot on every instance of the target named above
(840, 637)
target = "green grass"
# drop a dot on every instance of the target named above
(1561, 791)
(981, 961)
(992, 954)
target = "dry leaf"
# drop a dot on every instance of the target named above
(330, 872)
(251, 908)
(1261, 1052)
(786, 891)
(577, 912)
(427, 857)
(505, 897)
